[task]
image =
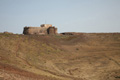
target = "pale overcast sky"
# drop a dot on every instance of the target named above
(67, 15)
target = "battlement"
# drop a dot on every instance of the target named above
(46, 25)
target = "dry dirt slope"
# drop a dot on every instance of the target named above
(94, 56)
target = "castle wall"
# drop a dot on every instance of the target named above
(35, 30)
(32, 30)
(56, 31)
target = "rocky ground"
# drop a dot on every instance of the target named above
(85, 56)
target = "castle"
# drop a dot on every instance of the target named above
(42, 30)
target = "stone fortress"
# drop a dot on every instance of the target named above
(42, 30)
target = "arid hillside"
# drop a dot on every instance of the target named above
(87, 56)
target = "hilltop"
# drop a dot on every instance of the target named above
(86, 56)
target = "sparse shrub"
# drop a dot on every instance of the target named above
(77, 48)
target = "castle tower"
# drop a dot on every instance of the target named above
(51, 30)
